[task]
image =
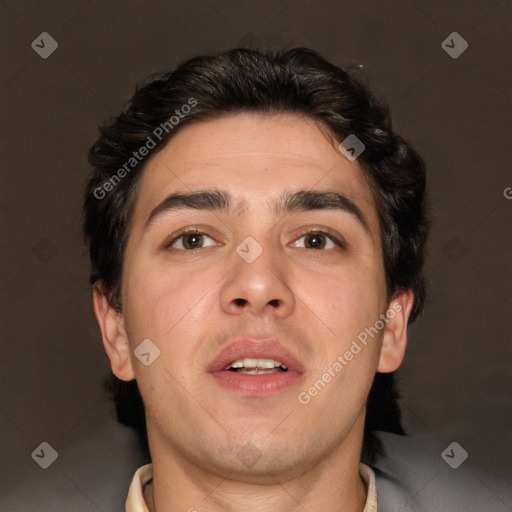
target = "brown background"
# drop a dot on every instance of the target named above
(457, 373)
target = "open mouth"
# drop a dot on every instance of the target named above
(253, 367)
(250, 366)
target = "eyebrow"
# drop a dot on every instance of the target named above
(288, 202)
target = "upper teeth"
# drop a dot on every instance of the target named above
(255, 363)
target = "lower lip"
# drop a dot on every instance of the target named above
(256, 385)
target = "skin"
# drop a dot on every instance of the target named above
(186, 303)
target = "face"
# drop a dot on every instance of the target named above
(261, 279)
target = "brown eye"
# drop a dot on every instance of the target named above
(316, 241)
(192, 241)
(319, 240)
(189, 241)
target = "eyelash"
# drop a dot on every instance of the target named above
(317, 231)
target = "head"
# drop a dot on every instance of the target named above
(258, 134)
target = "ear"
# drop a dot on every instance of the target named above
(395, 333)
(114, 337)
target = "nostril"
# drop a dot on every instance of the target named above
(240, 302)
(274, 302)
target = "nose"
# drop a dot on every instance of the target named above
(258, 287)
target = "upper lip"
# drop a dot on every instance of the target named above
(255, 348)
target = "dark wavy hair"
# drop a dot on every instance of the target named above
(296, 80)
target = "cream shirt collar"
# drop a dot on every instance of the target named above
(135, 499)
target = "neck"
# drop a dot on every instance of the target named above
(334, 483)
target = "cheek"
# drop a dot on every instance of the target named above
(344, 301)
(172, 308)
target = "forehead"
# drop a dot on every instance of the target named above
(253, 156)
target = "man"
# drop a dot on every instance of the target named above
(256, 234)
